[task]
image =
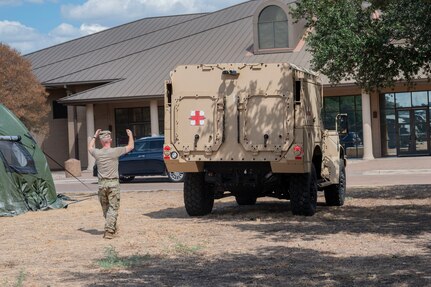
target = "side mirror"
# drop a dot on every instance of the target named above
(342, 124)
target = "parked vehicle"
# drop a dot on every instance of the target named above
(249, 131)
(145, 159)
(352, 139)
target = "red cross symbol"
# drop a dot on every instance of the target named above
(197, 118)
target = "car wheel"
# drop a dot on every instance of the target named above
(176, 176)
(125, 179)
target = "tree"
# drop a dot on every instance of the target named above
(375, 43)
(21, 92)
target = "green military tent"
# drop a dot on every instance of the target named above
(25, 179)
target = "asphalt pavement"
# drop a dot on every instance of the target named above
(376, 172)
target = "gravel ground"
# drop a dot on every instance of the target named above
(381, 237)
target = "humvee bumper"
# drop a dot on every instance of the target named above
(177, 166)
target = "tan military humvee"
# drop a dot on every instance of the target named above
(251, 130)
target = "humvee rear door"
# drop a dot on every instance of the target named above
(198, 123)
(266, 123)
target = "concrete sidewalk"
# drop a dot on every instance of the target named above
(389, 171)
(60, 175)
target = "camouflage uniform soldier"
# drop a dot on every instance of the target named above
(109, 185)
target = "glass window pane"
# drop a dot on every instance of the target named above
(352, 106)
(59, 111)
(273, 28)
(404, 117)
(387, 101)
(356, 125)
(272, 13)
(430, 120)
(390, 128)
(329, 120)
(281, 30)
(136, 119)
(139, 146)
(145, 146)
(358, 101)
(121, 115)
(161, 120)
(388, 131)
(137, 115)
(420, 99)
(266, 36)
(331, 104)
(403, 100)
(156, 145)
(347, 104)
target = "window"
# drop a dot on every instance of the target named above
(351, 105)
(398, 111)
(136, 119)
(16, 158)
(273, 28)
(149, 145)
(59, 111)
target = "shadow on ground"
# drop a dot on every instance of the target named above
(398, 219)
(275, 266)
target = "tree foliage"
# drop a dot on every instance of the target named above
(374, 43)
(21, 92)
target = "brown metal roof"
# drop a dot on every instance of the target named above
(141, 54)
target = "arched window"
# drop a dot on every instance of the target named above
(273, 28)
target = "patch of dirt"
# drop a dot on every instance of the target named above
(381, 237)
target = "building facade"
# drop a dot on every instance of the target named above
(114, 80)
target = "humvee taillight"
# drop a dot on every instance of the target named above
(166, 152)
(298, 152)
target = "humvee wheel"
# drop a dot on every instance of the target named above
(335, 194)
(198, 200)
(303, 193)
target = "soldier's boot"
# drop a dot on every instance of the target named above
(108, 235)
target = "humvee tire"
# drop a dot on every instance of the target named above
(336, 193)
(198, 200)
(303, 193)
(244, 197)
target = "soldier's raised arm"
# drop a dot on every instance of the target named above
(131, 144)
(92, 142)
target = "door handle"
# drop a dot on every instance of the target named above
(140, 156)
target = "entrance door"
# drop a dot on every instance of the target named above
(413, 131)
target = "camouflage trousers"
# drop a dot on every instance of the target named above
(109, 197)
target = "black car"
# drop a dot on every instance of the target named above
(145, 159)
(352, 139)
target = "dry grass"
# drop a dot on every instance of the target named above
(381, 237)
